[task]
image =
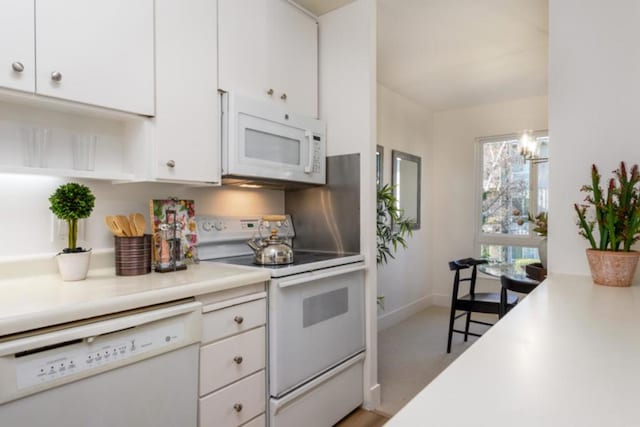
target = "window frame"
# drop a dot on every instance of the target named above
(529, 241)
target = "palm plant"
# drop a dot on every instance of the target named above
(391, 225)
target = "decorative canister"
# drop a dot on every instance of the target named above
(133, 255)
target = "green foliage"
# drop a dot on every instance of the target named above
(391, 226)
(540, 222)
(617, 212)
(72, 202)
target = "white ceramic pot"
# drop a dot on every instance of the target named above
(73, 266)
(542, 251)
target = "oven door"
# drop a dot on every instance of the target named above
(316, 321)
(264, 142)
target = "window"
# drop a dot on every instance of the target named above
(509, 189)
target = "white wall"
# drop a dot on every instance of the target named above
(454, 177)
(404, 281)
(27, 219)
(594, 114)
(348, 105)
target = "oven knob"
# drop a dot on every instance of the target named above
(207, 226)
(219, 225)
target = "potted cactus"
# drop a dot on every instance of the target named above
(610, 221)
(71, 202)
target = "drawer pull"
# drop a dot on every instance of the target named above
(238, 407)
(238, 320)
(238, 359)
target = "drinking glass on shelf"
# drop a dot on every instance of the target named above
(84, 152)
(35, 145)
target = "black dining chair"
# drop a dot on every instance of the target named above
(520, 285)
(472, 302)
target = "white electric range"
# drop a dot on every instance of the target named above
(316, 321)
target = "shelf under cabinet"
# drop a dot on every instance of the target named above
(71, 173)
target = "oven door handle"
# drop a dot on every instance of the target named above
(319, 276)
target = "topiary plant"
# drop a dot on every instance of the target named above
(71, 202)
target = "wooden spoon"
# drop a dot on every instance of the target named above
(112, 225)
(123, 223)
(140, 222)
(132, 225)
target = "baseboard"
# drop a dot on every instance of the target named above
(399, 314)
(442, 300)
(372, 400)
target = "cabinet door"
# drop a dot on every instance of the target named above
(97, 52)
(243, 47)
(17, 61)
(293, 57)
(187, 144)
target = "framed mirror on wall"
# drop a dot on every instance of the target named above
(406, 170)
(379, 165)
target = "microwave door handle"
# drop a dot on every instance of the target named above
(308, 168)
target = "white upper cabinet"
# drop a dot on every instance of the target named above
(17, 61)
(97, 52)
(268, 49)
(185, 129)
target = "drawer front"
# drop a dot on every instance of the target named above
(261, 421)
(235, 404)
(229, 321)
(226, 361)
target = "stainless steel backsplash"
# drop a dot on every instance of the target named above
(327, 218)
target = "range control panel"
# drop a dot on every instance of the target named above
(223, 229)
(92, 353)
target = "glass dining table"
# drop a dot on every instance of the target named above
(497, 269)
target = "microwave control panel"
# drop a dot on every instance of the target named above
(317, 166)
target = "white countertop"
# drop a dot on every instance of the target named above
(567, 355)
(36, 301)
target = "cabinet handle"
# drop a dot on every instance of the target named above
(238, 319)
(237, 407)
(56, 76)
(238, 359)
(283, 97)
(270, 92)
(171, 163)
(17, 66)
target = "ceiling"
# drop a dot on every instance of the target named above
(320, 7)
(446, 54)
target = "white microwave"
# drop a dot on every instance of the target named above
(260, 141)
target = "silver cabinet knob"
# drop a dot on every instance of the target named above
(283, 97)
(238, 319)
(56, 76)
(238, 359)
(237, 407)
(17, 66)
(171, 163)
(270, 92)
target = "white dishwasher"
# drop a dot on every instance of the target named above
(139, 368)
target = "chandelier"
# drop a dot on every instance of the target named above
(529, 148)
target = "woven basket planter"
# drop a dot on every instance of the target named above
(611, 268)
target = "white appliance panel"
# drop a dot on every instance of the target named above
(316, 321)
(264, 142)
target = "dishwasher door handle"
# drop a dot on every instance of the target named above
(90, 331)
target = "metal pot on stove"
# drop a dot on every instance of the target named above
(271, 251)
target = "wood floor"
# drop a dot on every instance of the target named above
(362, 418)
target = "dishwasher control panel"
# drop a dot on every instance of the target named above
(49, 364)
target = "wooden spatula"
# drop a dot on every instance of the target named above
(140, 223)
(112, 225)
(123, 224)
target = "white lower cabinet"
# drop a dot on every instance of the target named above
(233, 384)
(235, 404)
